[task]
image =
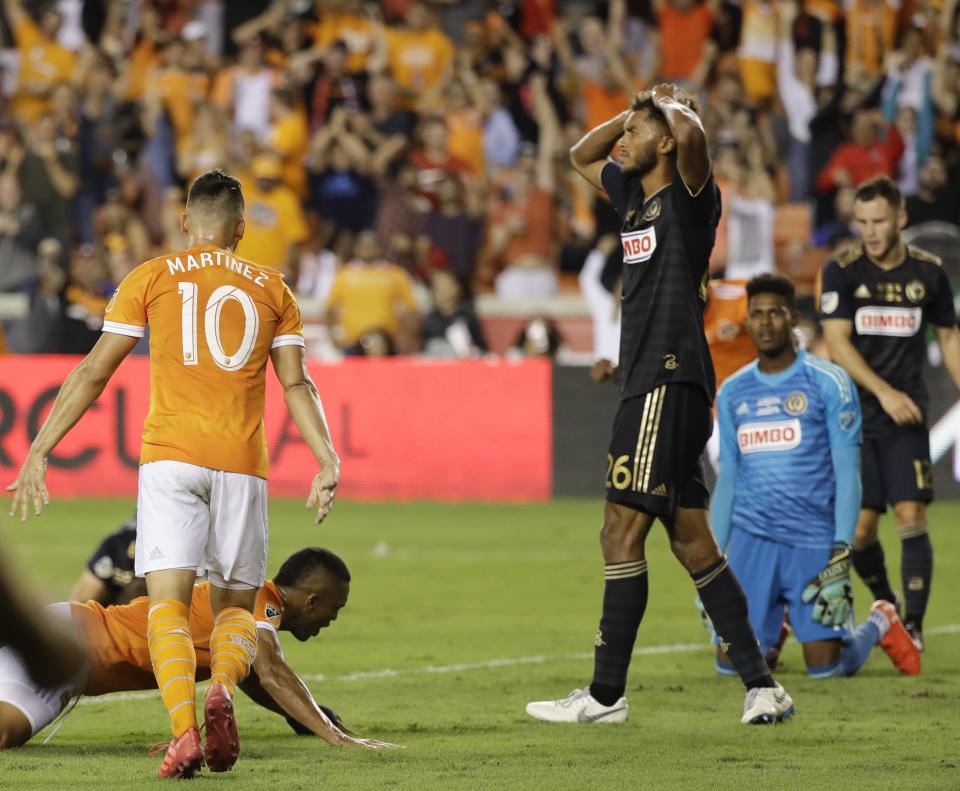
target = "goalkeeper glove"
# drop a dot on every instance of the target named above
(831, 591)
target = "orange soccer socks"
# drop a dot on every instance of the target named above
(174, 661)
(233, 646)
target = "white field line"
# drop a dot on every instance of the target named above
(490, 664)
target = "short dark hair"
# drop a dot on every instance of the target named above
(216, 190)
(880, 187)
(655, 112)
(296, 568)
(769, 283)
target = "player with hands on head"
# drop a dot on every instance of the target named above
(788, 494)
(669, 204)
(877, 301)
(215, 321)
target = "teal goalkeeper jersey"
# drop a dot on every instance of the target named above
(778, 429)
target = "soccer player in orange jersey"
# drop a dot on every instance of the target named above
(306, 595)
(214, 321)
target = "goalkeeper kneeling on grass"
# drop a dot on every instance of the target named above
(305, 596)
(788, 495)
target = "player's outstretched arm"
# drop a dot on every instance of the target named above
(693, 158)
(290, 696)
(303, 401)
(81, 388)
(895, 403)
(592, 151)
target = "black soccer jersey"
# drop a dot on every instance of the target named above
(667, 239)
(890, 310)
(113, 561)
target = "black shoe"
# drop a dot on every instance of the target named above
(916, 634)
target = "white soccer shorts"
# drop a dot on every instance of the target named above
(40, 706)
(191, 517)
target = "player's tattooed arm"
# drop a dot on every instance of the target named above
(693, 158)
(901, 408)
(948, 338)
(592, 151)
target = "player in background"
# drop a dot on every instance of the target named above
(669, 206)
(788, 495)
(109, 576)
(214, 322)
(305, 596)
(876, 302)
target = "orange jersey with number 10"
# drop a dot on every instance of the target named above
(213, 320)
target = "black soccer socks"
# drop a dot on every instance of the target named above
(870, 565)
(726, 604)
(624, 602)
(916, 567)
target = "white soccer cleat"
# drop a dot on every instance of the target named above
(578, 706)
(765, 705)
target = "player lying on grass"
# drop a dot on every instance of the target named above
(788, 496)
(305, 596)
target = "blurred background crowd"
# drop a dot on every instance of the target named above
(405, 162)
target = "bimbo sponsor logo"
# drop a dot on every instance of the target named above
(896, 322)
(770, 435)
(639, 245)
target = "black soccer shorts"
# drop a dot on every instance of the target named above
(655, 459)
(897, 468)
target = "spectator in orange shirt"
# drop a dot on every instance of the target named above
(348, 25)
(420, 57)
(371, 295)
(276, 227)
(289, 138)
(43, 62)
(686, 51)
(180, 88)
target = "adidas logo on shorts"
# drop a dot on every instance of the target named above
(660, 491)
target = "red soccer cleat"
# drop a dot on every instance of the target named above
(222, 745)
(897, 642)
(184, 756)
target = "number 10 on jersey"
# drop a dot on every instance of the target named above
(211, 324)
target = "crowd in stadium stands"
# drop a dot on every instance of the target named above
(401, 157)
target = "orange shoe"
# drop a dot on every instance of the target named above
(222, 745)
(184, 756)
(897, 643)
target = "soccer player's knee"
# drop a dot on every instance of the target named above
(695, 553)
(865, 533)
(14, 729)
(618, 538)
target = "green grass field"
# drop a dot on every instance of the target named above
(461, 614)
